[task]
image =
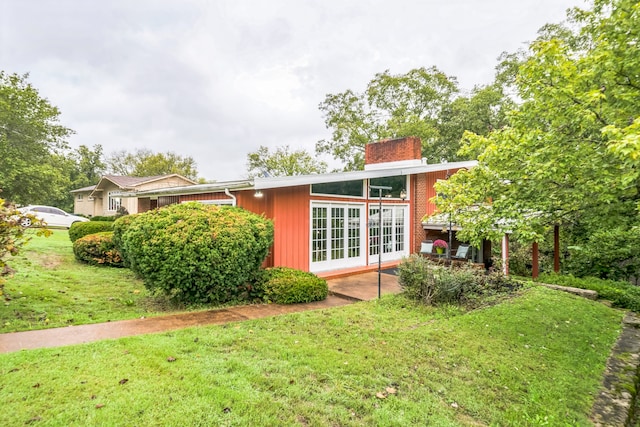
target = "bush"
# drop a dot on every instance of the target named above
(97, 249)
(196, 252)
(621, 294)
(119, 227)
(81, 229)
(285, 285)
(431, 283)
(102, 218)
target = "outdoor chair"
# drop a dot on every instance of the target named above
(426, 247)
(462, 252)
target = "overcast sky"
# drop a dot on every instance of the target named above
(216, 79)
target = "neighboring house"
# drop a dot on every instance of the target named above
(101, 199)
(329, 223)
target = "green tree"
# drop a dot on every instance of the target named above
(570, 154)
(144, 162)
(31, 142)
(283, 162)
(390, 106)
(423, 102)
(80, 167)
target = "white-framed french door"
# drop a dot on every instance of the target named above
(395, 232)
(338, 236)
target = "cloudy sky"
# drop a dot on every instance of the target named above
(216, 79)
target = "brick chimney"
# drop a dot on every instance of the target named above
(401, 151)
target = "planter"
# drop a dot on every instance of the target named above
(439, 251)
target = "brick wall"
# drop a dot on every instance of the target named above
(420, 203)
(391, 150)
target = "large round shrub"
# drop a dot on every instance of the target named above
(119, 227)
(81, 229)
(196, 252)
(285, 285)
(97, 249)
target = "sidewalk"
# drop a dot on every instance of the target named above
(342, 291)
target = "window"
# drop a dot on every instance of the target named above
(397, 184)
(342, 188)
(394, 232)
(114, 203)
(337, 236)
(79, 197)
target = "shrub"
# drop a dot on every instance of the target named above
(119, 227)
(81, 229)
(102, 218)
(431, 283)
(97, 249)
(621, 294)
(285, 285)
(195, 252)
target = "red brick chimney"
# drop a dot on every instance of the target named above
(393, 150)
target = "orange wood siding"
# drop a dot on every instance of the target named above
(291, 220)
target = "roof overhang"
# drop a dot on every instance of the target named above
(216, 187)
(297, 180)
(292, 181)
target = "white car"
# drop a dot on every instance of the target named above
(48, 216)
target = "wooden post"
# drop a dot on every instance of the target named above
(505, 254)
(534, 260)
(556, 248)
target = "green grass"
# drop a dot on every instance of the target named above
(536, 359)
(51, 289)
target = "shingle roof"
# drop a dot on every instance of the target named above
(83, 189)
(131, 181)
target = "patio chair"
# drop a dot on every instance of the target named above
(462, 252)
(426, 247)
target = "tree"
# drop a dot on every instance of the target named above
(81, 167)
(31, 142)
(283, 162)
(144, 162)
(570, 155)
(423, 102)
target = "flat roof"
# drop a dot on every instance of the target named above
(292, 181)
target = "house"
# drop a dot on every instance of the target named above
(329, 223)
(99, 199)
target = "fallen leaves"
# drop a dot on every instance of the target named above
(387, 391)
(171, 359)
(123, 381)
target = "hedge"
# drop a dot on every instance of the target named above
(81, 229)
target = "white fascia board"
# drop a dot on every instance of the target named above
(292, 181)
(216, 187)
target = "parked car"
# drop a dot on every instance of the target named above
(49, 216)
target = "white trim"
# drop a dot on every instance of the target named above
(393, 255)
(346, 261)
(291, 181)
(218, 202)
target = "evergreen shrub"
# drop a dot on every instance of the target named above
(103, 218)
(81, 229)
(119, 227)
(195, 252)
(285, 285)
(97, 249)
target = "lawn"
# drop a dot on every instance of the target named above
(51, 289)
(535, 359)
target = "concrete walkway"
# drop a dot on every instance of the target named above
(342, 291)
